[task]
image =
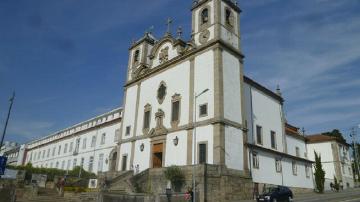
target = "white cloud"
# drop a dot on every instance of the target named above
(29, 129)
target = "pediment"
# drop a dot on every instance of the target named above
(165, 50)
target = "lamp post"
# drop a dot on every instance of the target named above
(194, 141)
(7, 118)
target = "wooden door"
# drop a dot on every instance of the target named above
(157, 157)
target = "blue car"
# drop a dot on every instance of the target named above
(276, 194)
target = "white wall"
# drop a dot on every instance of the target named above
(176, 155)
(129, 111)
(232, 96)
(234, 147)
(142, 158)
(267, 172)
(292, 143)
(266, 112)
(204, 79)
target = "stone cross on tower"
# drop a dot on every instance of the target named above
(168, 24)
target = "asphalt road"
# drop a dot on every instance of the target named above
(349, 195)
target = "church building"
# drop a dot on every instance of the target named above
(189, 102)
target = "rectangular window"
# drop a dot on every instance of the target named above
(203, 110)
(43, 154)
(59, 150)
(65, 148)
(146, 120)
(255, 159)
(74, 163)
(53, 151)
(48, 153)
(71, 146)
(39, 154)
(273, 139)
(307, 171)
(57, 164)
(84, 144)
(202, 153)
(93, 141)
(123, 162)
(278, 165)
(117, 134)
(82, 162)
(175, 111)
(294, 168)
(128, 129)
(68, 165)
(62, 165)
(101, 162)
(103, 137)
(297, 150)
(91, 163)
(259, 134)
(77, 145)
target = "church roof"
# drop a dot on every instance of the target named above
(263, 89)
(318, 138)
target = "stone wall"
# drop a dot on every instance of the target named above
(214, 183)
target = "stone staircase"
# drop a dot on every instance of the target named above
(121, 184)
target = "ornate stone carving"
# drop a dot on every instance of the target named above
(140, 71)
(159, 128)
(164, 55)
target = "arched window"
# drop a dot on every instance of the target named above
(229, 17)
(204, 16)
(136, 56)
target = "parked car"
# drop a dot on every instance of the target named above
(276, 194)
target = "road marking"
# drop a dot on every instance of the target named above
(355, 199)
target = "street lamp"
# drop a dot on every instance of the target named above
(194, 141)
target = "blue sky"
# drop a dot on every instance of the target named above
(67, 59)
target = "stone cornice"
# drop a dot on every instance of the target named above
(278, 153)
(112, 122)
(198, 3)
(190, 126)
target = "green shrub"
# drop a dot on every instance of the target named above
(176, 176)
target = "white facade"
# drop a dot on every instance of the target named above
(274, 161)
(217, 106)
(88, 144)
(335, 160)
(16, 156)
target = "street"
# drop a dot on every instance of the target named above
(349, 195)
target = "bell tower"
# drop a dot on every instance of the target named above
(216, 20)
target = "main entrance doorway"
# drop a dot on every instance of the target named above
(157, 155)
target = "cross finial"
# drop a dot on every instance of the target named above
(278, 91)
(179, 32)
(303, 130)
(168, 23)
(150, 30)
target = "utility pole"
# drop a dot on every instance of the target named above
(7, 119)
(356, 155)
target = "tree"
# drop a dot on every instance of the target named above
(336, 133)
(336, 184)
(319, 174)
(355, 166)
